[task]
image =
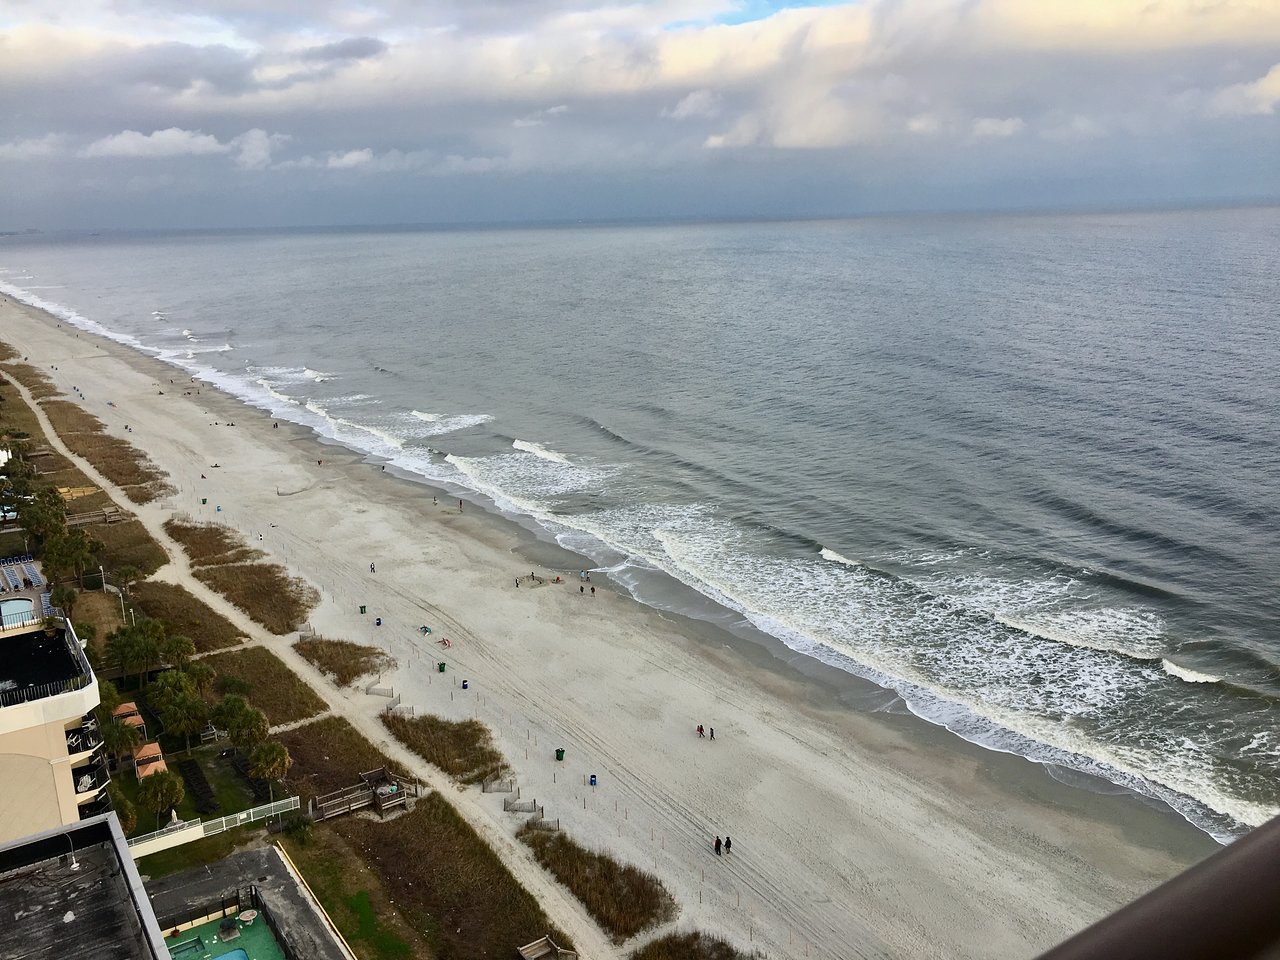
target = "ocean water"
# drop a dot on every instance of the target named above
(1021, 470)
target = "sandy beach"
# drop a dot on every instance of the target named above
(855, 833)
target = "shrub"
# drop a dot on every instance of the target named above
(462, 749)
(624, 899)
(186, 614)
(274, 689)
(343, 660)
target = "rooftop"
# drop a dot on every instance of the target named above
(34, 664)
(74, 891)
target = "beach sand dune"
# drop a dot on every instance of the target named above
(854, 834)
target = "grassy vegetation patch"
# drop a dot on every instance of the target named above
(185, 614)
(688, 946)
(448, 882)
(8, 352)
(265, 592)
(624, 899)
(229, 787)
(343, 660)
(116, 459)
(210, 544)
(35, 380)
(128, 544)
(272, 687)
(197, 853)
(329, 754)
(462, 749)
(355, 899)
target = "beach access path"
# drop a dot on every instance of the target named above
(855, 835)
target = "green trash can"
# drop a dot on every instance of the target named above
(559, 753)
(362, 606)
(204, 500)
(440, 666)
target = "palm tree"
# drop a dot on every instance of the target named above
(149, 637)
(119, 738)
(270, 761)
(185, 714)
(177, 650)
(122, 648)
(228, 712)
(249, 729)
(124, 809)
(160, 792)
(202, 676)
(64, 597)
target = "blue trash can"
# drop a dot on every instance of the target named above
(464, 684)
(593, 779)
(377, 621)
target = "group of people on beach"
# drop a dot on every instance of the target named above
(702, 731)
(727, 846)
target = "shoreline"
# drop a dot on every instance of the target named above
(908, 811)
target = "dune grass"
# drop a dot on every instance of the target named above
(270, 685)
(343, 660)
(688, 946)
(624, 899)
(264, 591)
(210, 544)
(462, 749)
(448, 882)
(35, 380)
(115, 458)
(329, 754)
(128, 544)
(186, 615)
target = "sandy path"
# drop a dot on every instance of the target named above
(852, 838)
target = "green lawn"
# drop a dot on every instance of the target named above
(198, 852)
(354, 898)
(230, 789)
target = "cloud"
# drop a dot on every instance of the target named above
(1076, 130)
(997, 127)
(353, 48)
(254, 148)
(173, 142)
(1258, 97)
(35, 148)
(924, 124)
(352, 158)
(700, 103)
(539, 117)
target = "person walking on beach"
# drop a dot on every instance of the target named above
(593, 591)
(701, 732)
(459, 506)
(517, 583)
(582, 589)
(728, 843)
(371, 569)
(713, 733)
(717, 846)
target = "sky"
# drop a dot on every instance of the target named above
(242, 113)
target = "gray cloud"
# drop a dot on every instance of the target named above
(353, 48)
(872, 105)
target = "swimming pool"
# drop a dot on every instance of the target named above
(237, 954)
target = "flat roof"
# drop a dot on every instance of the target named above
(74, 891)
(34, 659)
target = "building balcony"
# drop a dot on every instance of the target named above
(90, 782)
(83, 742)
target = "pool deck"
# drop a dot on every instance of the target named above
(297, 918)
(255, 939)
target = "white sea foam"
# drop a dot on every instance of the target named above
(1187, 674)
(276, 394)
(338, 426)
(448, 423)
(316, 375)
(837, 558)
(539, 451)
